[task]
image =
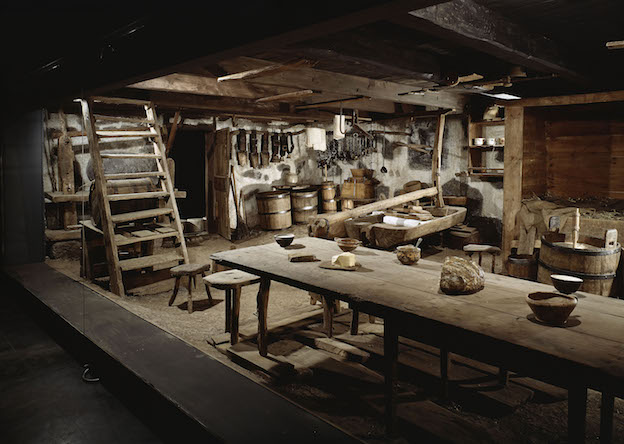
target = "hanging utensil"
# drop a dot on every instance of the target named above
(275, 148)
(384, 170)
(290, 144)
(241, 145)
(264, 150)
(253, 149)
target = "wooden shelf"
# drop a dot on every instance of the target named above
(486, 146)
(489, 122)
(482, 172)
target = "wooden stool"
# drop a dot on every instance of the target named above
(474, 248)
(189, 270)
(232, 281)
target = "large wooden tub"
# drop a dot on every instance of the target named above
(591, 261)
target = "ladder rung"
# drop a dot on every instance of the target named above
(138, 175)
(131, 196)
(129, 156)
(142, 214)
(121, 101)
(136, 239)
(123, 119)
(148, 261)
(118, 133)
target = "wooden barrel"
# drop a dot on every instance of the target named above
(523, 266)
(304, 204)
(591, 261)
(274, 210)
(123, 186)
(328, 194)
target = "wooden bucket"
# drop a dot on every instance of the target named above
(328, 190)
(358, 188)
(304, 204)
(274, 209)
(593, 263)
(523, 266)
(122, 186)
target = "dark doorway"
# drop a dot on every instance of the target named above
(188, 152)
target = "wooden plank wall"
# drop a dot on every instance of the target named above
(585, 158)
(534, 167)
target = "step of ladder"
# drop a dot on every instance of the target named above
(122, 133)
(132, 196)
(138, 215)
(124, 119)
(149, 261)
(128, 240)
(121, 101)
(129, 156)
(137, 175)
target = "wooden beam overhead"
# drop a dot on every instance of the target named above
(265, 71)
(618, 44)
(575, 99)
(470, 24)
(344, 84)
(329, 102)
(295, 95)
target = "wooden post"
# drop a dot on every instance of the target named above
(391, 354)
(437, 159)
(512, 180)
(174, 128)
(577, 228)
(606, 418)
(577, 406)
(66, 172)
(235, 315)
(355, 320)
(263, 304)
(328, 316)
(228, 310)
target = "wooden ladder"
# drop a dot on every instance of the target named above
(113, 224)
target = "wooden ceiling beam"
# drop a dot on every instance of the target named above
(295, 95)
(344, 84)
(265, 71)
(469, 24)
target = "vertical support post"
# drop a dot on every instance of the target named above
(512, 180)
(437, 159)
(577, 406)
(355, 320)
(235, 315)
(606, 418)
(66, 172)
(391, 353)
(328, 316)
(263, 305)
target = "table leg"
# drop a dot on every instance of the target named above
(606, 418)
(235, 312)
(391, 352)
(503, 376)
(328, 317)
(263, 305)
(176, 287)
(577, 405)
(445, 362)
(190, 294)
(355, 321)
(207, 290)
(228, 310)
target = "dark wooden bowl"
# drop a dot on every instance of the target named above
(551, 308)
(347, 244)
(566, 284)
(284, 240)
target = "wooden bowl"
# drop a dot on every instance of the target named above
(362, 172)
(347, 244)
(566, 284)
(408, 254)
(284, 240)
(551, 308)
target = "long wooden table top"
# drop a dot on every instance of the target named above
(494, 321)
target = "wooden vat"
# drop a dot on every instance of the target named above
(274, 210)
(592, 262)
(523, 266)
(304, 204)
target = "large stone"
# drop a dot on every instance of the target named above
(461, 276)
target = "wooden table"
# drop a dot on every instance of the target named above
(494, 325)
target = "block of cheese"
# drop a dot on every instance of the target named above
(344, 260)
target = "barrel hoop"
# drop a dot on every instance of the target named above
(275, 196)
(583, 252)
(313, 207)
(297, 195)
(577, 273)
(277, 212)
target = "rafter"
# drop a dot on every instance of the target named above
(265, 71)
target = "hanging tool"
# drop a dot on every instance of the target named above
(264, 150)
(253, 149)
(241, 230)
(283, 145)
(241, 146)
(384, 170)
(275, 148)
(290, 144)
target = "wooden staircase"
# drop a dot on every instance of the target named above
(134, 227)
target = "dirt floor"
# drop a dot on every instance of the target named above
(348, 393)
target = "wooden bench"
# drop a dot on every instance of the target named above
(190, 270)
(231, 281)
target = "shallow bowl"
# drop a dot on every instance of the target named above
(551, 308)
(566, 284)
(284, 240)
(347, 244)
